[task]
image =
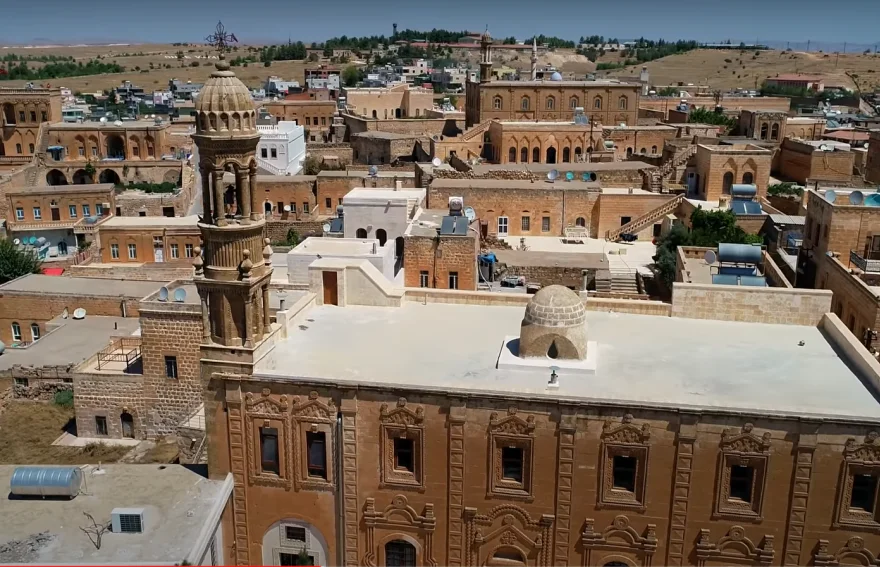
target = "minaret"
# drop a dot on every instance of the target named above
(486, 57)
(233, 276)
(534, 59)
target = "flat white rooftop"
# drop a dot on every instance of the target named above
(337, 246)
(656, 361)
(159, 222)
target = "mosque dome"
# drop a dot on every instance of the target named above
(556, 76)
(554, 325)
(224, 105)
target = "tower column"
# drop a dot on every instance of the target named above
(243, 195)
(219, 208)
(267, 325)
(248, 321)
(206, 316)
(256, 210)
(206, 193)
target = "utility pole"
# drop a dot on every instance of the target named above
(808, 45)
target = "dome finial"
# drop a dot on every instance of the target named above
(220, 39)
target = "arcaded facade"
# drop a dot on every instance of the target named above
(22, 111)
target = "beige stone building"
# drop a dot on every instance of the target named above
(719, 167)
(316, 116)
(23, 111)
(396, 101)
(804, 161)
(765, 125)
(140, 240)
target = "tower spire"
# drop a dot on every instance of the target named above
(534, 58)
(486, 57)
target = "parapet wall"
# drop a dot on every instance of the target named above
(752, 304)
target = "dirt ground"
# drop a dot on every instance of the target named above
(27, 430)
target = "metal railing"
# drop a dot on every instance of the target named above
(871, 263)
(126, 350)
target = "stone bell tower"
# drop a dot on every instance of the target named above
(233, 276)
(486, 57)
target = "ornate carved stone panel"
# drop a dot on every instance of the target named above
(564, 485)
(349, 482)
(853, 553)
(859, 459)
(265, 411)
(510, 431)
(742, 449)
(506, 527)
(624, 439)
(619, 537)
(455, 539)
(402, 422)
(684, 462)
(312, 415)
(399, 517)
(735, 547)
(797, 512)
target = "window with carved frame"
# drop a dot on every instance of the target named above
(402, 451)
(624, 470)
(742, 473)
(268, 429)
(313, 451)
(857, 505)
(511, 450)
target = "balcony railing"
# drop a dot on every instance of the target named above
(870, 264)
(123, 351)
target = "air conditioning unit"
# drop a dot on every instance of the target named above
(127, 520)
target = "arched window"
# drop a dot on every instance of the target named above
(654, 150)
(551, 103)
(774, 132)
(727, 183)
(577, 153)
(361, 233)
(629, 152)
(16, 332)
(524, 103)
(551, 155)
(566, 155)
(524, 155)
(573, 102)
(35, 332)
(127, 422)
(643, 151)
(580, 221)
(399, 553)
(748, 178)
(511, 155)
(375, 115)
(597, 103)
(382, 236)
(622, 103)
(496, 103)
(764, 131)
(536, 155)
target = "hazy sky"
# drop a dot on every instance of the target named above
(855, 21)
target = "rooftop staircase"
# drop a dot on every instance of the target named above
(640, 223)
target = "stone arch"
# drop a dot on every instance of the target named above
(727, 183)
(212, 118)
(92, 148)
(763, 130)
(30, 141)
(524, 103)
(361, 233)
(573, 102)
(774, 131)
(536, 154)
(236, 121)
(622, 103)
(550, 103)
(150, 146)
(203, 119)
(224, 121)
(134, 143)
(497, 103)
(126, 424)
(115, 147)
(551, 154)
(507, 555)
(566, 154)
(9, 114)
(276, 541)
(109, 176)
(56, 177)
(580, 222)
(172, 176)
(653, 150)
(748, 178)
(82, 149)
(629, 152)
(511, 155)
(524, 155)
(381, 236)
(597, 103)
(82, 177)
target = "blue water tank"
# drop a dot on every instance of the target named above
(739, 253)
(743, 190)
(46, 481)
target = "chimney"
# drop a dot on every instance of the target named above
(398, 185)
(375, 247)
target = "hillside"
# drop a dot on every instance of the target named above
(729, 69)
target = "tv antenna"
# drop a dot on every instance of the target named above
(221, 39)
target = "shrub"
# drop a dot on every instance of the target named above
(64, 398)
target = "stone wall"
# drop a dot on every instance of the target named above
(131, 203)
(855, 303)
(39, 383)
(436, 257)
(337, 153)
(276, 231)
(800, 162)
(548, 275)
(153, 271)
(755, 305)
(611, 178)
(295, 191)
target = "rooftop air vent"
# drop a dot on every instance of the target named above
(127, 520)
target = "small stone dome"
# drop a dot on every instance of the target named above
(556, 76)
(224, 105)
(554, 325)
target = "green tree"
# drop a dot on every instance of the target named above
(351, 75)
(705, 116)
(16, 262)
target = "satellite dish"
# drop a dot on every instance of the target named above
(32, 240)
(118, 123)
(64, 314)
(830, 196)
(436, 162)
(823, 147)
(856, 198)
(326, 227)
(470, 214)
(710, 257)
(16, 242)
(585, 176)
(79, 313)
(103, 120)
(374, 171)
(552, 175)
(286, 208)
(163, 294)
(41, 240)
(179, 295)
(569, 175)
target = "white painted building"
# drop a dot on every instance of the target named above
(282, 148)
(300, 258)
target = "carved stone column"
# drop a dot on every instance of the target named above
(349, 483)
(206, 193)
(247, 339)
(219, 208)
(564, 482)
(455, 539)
(800, 493)
(256, 210)
(243, 195)
(206, 317)
(684, 464)
(267, 325)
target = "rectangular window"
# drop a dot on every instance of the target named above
(171, 366)
(100, 425)
(293, 533)
(72, 210)
(157, 242)
(132, 251)
(328, 202)
(37, 213)
(99, 209)
(281, 206)
(293, 559)
(423, 278)
(264, 153)
(22, 382)
(403, 454)
(87, 210)
(175, 251)
(274, 153)
(625, 220)
(624, 473)
(114, 251)
(512, 464)
(453, 280)
(269, 450)
(526, 223)
(82, 152)
(306, 207)
(188, 250)
(18, 148)
(33, 116)
(741, 479)
(864, 493)
(545, 224)
(44, 117)
(94, 151)
(292, 207)
(19, 213)
(136, 151)
(316, 446)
